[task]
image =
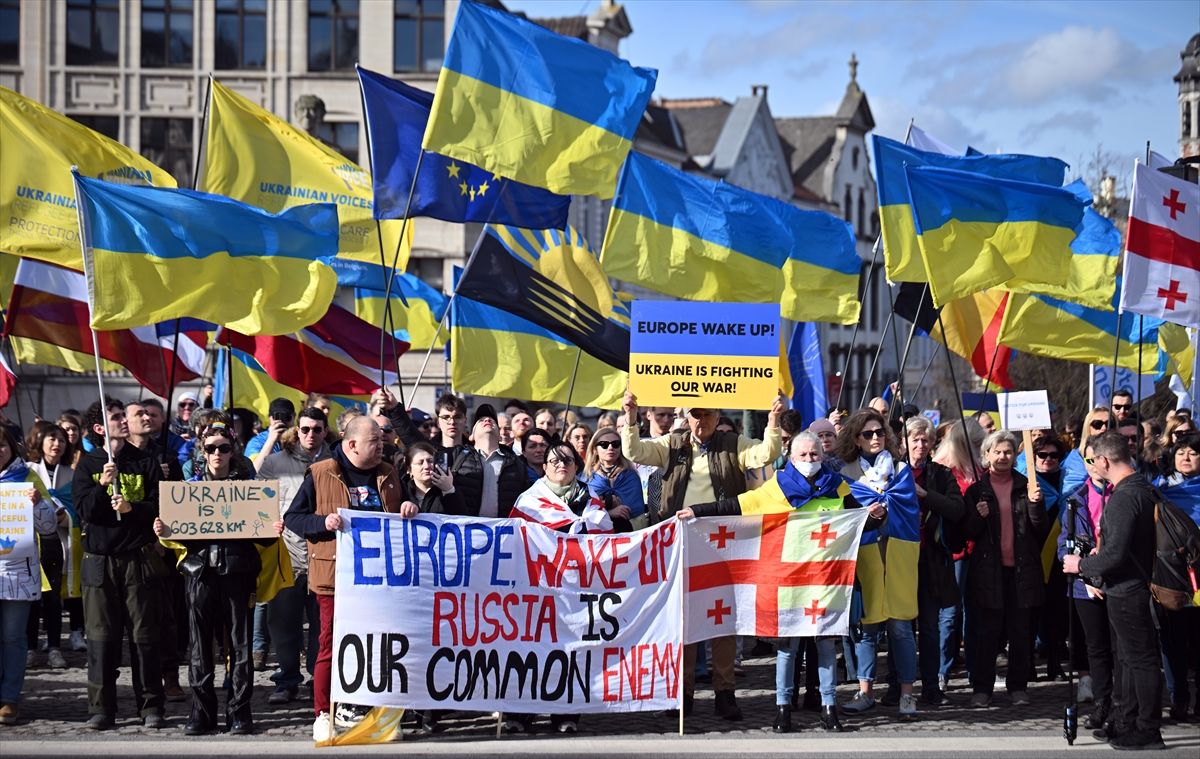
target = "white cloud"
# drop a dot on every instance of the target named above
(1074, 58)
(1078, 122)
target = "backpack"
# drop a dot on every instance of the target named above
(1176, 556)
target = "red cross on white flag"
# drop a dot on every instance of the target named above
(1162, 248)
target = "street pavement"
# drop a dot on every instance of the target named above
(54, 708)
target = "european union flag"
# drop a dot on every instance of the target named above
(447, 189)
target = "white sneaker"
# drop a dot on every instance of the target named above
(1083, 693)
(55, 659)
(322, 728)
(908, 706)
(32, 659)
(76, 642)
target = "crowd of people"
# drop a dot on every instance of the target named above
(1019, 541)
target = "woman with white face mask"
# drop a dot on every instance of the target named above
(806, 483)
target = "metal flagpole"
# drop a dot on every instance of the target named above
(937, 347)
(875, 361)
(571, 388)
(958, 399)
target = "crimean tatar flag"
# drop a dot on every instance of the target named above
(527, 104)
(37, 198)
(771, 575)
(1162, 250)
(158, 254)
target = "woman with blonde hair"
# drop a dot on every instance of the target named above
(613, 478)
(1098, 421)
(958, 451)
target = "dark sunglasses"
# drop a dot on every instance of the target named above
(386, 428)
(311, 430)
(878, 432)
(1098, 424)
(1045, 455)
(218, 448)
(608, 444)
(1122, 406)
(188, 404)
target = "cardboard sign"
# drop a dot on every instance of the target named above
(220, 510)
(17, 540)
(1028, 410)
(706, 355)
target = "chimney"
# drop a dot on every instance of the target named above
(758, 89)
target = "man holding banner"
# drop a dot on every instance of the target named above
(701, 465)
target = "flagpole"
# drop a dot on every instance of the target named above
(571, 387)
(937, 347)
(907, 345)
(958, 399)
(875, 361)
(681, 580)
(89, 267)
(1116, 353)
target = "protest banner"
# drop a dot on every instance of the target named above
(227, 509)
(17, 539)
(1026, 410)
(708, 355)
(787, 574)
(1103, 387)
(436, 612)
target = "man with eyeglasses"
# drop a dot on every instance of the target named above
(701, 465)
(1122, 404)
(287, 612)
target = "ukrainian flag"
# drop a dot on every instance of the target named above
(1095, 252)
(693, 238)
(887, 570)
(503, 355)
(534, 106)
(37, 197)
(157, 254)
(977, 232)
(901, 254)
(415, 323)
(253, 156)
(254, 389)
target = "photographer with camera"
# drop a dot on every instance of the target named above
(1079, 537)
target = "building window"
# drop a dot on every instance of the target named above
(168, 143)
(93, 32)
(862, 212)
(109, 126)
(241, 34)
(10, 31)
(332, 35)
(428, 270)
(167, 33)
(1185, 130)
(847, 206)
(854, 159)
(420, 35)
(342, 136)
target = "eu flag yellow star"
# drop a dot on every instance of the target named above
(453, 170)
(462, 188)
(483, 188)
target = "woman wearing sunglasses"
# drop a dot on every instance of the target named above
(1049, 453)
(881, 482)
(612, 478)
(219, 582)
(1098, 421)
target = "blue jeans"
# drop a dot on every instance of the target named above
(14, 615)
(262, 636)
(935, 629)
(285, 619)
(901, 644)
(963, 634)
(785, 669)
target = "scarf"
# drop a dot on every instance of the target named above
(16, 471)
(799, 491)
(544, 504)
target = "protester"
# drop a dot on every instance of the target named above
(545, 419)
(871, 458)
(522, 422)
(44, 447)
(219, 579)
(607, 419)
(504, 424)
(1006, 517)
(281, 415)
(1180, 628)
(184, 408)
(72, 424)
(117, 502)
(293, 606)
(578, 435)
(1098, 421)
(354, 477)
(426, 425)
(986, 421)
(613, 478)
(1056, 483)
(488, 477)
(534, 445)
(938, 595)
(701, 465)
(1122, 404)
(451, 412)
(429, 487)
(20, 585)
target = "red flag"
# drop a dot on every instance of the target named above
(339, 355)
(1162, 248)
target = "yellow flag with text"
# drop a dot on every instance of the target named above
(256, 157)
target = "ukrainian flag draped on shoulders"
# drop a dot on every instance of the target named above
(157, 254)
(527, 104)
(887, 556)
(789, 490)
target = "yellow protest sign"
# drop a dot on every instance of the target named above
(219, 510)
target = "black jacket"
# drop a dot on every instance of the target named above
(434, 501)
(943, 509)
(225, 557)
(467, 469)
(1127, 539)
(138, 474)
(1031, 525)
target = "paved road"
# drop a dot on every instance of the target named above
(54, 708)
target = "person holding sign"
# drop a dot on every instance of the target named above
(116, 495)
(1007, 519)
(701, 465)
(20, 584)
(219, 582)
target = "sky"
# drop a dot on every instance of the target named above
(1058, 77)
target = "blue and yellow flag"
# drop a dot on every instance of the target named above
(693, 238)
(527, 104)
(1095, 252)
(415, 323)
(901, 254)
(157, 254)
(888, 576)
(256, 157)
(552, 279)
(37, 197)
(446, 188)
(977, 232)
(502, 355)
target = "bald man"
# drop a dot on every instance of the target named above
(354, 477)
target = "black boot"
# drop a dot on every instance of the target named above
(829, 719)
(812, 701)
(726, 706)
(783, 719)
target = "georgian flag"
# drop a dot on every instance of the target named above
(1162, 248)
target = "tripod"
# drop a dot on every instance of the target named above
(1071, 713)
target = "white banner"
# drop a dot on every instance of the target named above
(1127, 379)
(17, 539)
(505, 615)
